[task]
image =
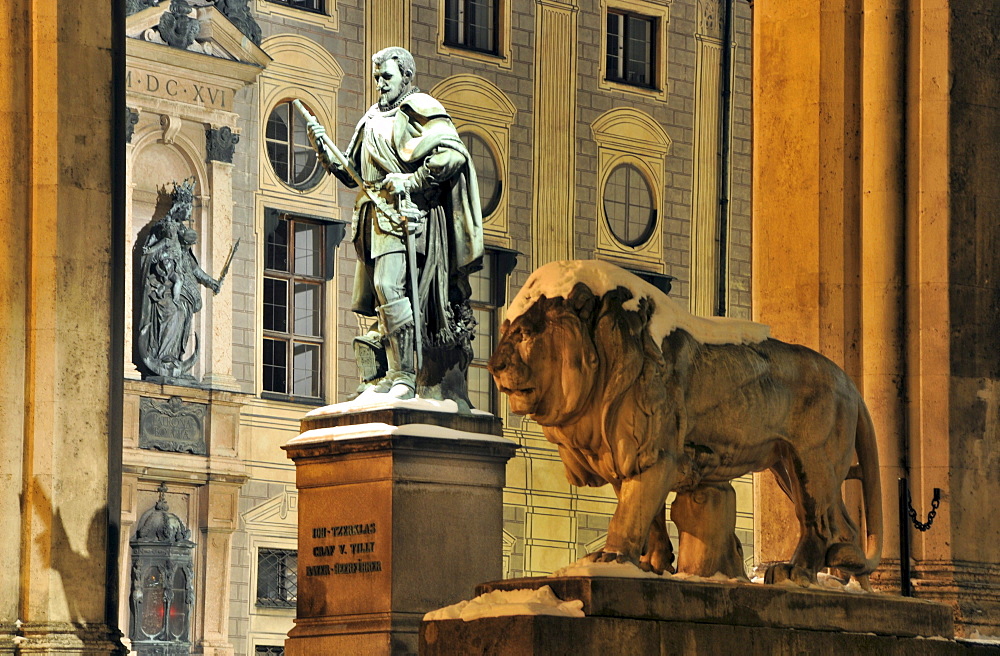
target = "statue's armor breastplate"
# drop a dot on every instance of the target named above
(378, 157)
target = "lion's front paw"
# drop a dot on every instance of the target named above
(610, 557)
(780, 572)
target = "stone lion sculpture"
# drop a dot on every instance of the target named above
(639, 393)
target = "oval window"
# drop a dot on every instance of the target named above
(628, 206)
(291, 155)
(487, 172)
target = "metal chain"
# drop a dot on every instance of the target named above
(923, 526)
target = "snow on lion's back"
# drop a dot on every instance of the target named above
(557, 279)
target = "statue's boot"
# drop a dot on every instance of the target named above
(402, 373)
(396, 321)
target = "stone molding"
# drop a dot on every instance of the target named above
(61, 638)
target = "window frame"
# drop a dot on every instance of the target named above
(659, 13)
(501, 262)
(286, 602)
(318, 174)
(625, 39)
(499, 55)
(647, 232)
(321, 9)
(464, 26)
(290, 337)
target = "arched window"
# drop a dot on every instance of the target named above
(292, 157)
(487, 171)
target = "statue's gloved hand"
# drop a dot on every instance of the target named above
(215, 286)
(317, 137)
(398, 183)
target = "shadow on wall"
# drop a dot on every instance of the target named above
(76, 569)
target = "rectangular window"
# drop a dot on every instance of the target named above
(277, 582)
(308, 5)
(472, 24)
(631, 49)
(268, 650)
(293, 314)
(482, 390)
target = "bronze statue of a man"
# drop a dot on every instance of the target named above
(417, 230)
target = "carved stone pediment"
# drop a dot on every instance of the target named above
(206, 30)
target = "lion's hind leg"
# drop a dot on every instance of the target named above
(815, 490)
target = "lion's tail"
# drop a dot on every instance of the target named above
(871, 484)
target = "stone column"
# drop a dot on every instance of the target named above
(805, 201)
(218, 510)
(554, 132)
(876, 219)
(55, 338)
(218, 349)
(400, 513)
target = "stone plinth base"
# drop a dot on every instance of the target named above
(651, 616)
(78, 639)
(400, 512)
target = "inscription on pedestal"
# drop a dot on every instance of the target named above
(344, 544)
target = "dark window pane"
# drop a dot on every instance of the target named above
(614, 48)
(480, 387)
(628, 206)
(278, 154)
(452, 21)
(291, 155)
(306, 166)
(277, 582)
(630, 49)
(480, 24)
(277, 123)
(482, 345)
(276, 247)
(308, 249)
(471, 24)
(481, 282)
(275, 365)
(276, 305)
(308, 315)
(308, 5)
(487, 172)
(305, 371)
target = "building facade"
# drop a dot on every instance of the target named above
(608, 129)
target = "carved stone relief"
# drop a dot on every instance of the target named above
(220, 144)
(172, 425)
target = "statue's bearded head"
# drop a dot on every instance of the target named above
(393, 70)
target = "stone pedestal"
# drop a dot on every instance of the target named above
(670, 616)
(400, 512)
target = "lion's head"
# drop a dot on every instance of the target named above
(546, 360)
(576, 353)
